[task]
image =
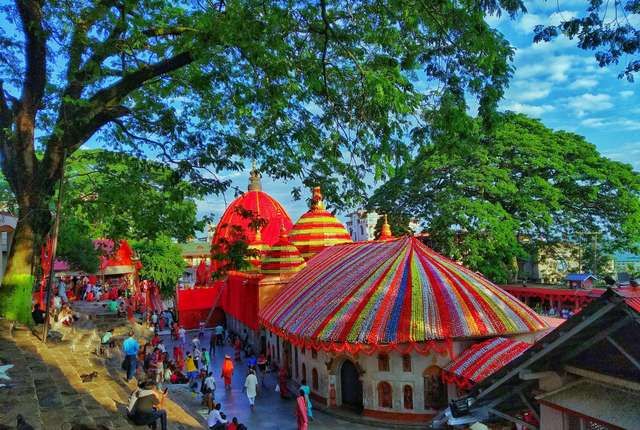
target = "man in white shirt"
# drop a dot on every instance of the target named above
(251, 387)
(215, 421)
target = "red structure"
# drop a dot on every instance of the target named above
(254, 205)
(194, 305)
(552, 297)
(482, 360)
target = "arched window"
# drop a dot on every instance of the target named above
(385, 398)
(435, 391)
(406, 363)
(314, 379)
(407, 392)
(314, 353)
(304, 372)
(383, 362)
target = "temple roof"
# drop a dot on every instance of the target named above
(282, 259)
(317, 229)
(380, 294)
(236, 221)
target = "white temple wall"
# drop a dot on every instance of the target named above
(329, 385)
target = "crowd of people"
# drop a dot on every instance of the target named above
(188, 363)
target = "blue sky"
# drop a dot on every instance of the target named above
(555, 82)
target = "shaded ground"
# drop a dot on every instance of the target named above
(46, 388)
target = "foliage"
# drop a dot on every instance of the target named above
(323, 91)
(118, 196)
(76, 247)
(162, 262)
(605, 27)
(8, 201)
(487, 197)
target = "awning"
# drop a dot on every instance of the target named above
(604, 404)
(118, 270)
(482, 360)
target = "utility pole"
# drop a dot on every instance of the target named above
(54, 246)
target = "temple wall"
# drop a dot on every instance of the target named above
(328, 366)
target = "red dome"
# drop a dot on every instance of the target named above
(255, 203)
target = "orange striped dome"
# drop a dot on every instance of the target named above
(260, 247)
(317, 229)
(282, 259)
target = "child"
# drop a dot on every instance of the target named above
(206, 359)
(201, 326)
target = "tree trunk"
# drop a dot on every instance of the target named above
(18, 281)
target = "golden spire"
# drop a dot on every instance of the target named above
(316, 199)
(259, 235)
(385, 232)
(255, 183)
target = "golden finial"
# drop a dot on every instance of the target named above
(317, 203)
(255, 183)
(385, 232)
(259, 235)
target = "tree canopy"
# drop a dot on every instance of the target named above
(117, 196)
(162, 262)
(487, 198)
(322, 91)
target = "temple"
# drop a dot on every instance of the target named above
(386, 328)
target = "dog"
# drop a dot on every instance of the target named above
(88, 377)
(21, 424)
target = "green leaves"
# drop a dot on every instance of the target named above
(161, 262)
(489, 197)
(117, 196)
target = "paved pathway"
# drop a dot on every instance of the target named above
(46, 388)
(270, 413)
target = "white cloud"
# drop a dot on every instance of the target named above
(594, 122)
(614, 123)
(531, 91)
(627, 153)
(589, 103)
(532, 110)
(528, 21)
(583, 83)
(626, 94)
(555, 68)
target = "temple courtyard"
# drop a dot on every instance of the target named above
(46, 388)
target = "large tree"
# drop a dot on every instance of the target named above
(319, 90)
(488, 198)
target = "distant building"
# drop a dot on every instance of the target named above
(7, 227)
(362, 225)
(580, 280)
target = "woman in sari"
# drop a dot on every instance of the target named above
(301, 411)
(282, 382)
(227, 372)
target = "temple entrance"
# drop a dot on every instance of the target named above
(351, 386)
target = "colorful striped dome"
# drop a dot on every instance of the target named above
(282, 259)
(317, 229)
(385, 294)
(260, 248)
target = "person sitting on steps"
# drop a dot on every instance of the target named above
(143, 407)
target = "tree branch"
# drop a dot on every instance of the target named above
(167, 31)
(35, 53)
(134, 80)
